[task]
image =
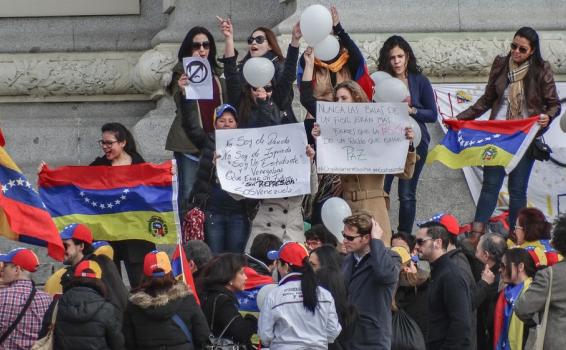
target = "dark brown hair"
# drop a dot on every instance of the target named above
(534, 224)
(271, 40)
(156, 285)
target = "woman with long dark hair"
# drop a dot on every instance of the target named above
(521, 84)
(396, 57)
(198, 42)
(119, 148)
(220, 279)
(325, 256)
(298, 311)
(162, 313)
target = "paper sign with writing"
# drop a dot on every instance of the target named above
(199, 73)
(362, 138)
(268, 162)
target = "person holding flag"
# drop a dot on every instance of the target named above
(521, 84)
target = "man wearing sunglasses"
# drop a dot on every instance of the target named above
(371, 273)
(449, 299)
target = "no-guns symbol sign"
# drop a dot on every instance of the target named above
(200, 78)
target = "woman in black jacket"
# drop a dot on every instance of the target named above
(85, 318)
(162, 313)
(221, 278)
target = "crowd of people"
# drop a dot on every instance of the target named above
(264, 279)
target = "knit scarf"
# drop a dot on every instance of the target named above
(516, 92)
(336, 65)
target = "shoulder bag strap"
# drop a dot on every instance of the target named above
(177, 319)
(20, 316)
(228, 326)
(541, 329)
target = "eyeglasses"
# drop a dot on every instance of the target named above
(519, 228)
(522, 49)
(267, 88)
(205, 45)
(104, 143)
(260, 39)
(350, 238)
(420, 241)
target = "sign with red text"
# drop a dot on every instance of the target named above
(268, 162)
(362, 138)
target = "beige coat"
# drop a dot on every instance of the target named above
(282, 217)
(366, 192)
(532, 302)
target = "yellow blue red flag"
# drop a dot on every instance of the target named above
(23, 216)
(484, 142)
(117, 203)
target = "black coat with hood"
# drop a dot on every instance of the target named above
(148, 322)
(87, 321)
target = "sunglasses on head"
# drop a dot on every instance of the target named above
(260, 39)
(267, 88)
(205, 45)
(522, 50)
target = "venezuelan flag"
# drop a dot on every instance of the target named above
(182, 270)
(23, 216)
(484, 142)
(116, 203)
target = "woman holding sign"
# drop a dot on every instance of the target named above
(199, 42)
(360, 191)
(397, 58)
(520, 85)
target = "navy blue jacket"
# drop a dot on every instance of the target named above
(422, 98)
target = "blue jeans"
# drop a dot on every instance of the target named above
(407, 191)
(226, 232)
(186, 177)
(517, 184)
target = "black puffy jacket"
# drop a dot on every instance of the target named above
(148, 322)
(86, 321)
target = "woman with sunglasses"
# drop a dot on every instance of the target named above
(521, 84)
(374, 199)
(198, 42)
(396, 57)
(262, 106)
(119, 148)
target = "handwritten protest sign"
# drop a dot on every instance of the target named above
(268, 162)
(200, 78)
(362, 138)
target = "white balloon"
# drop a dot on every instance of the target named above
(417, 131)
(316, 24)
(328, 48)
(262, 294)
(563, 122)
(258, 71)
(333, 213)
(390, 90)
(379, 76)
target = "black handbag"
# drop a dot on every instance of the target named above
(540, 150)
(406, 334)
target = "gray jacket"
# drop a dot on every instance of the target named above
(371, 283)
(531, 303)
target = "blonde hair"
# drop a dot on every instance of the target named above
(358, 94)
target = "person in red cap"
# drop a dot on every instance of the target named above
(84, 318)
(22, 306)
(78, 242)
(162, 313)
(298, 311)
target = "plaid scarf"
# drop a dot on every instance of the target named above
(516, 92)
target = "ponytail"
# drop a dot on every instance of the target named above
(309, 284)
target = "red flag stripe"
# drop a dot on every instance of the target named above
(496, 126)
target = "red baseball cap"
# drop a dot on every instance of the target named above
(88, 268)
(77, 231)
(449, 222)
(292, 253)
(22, 257)
(156, 264)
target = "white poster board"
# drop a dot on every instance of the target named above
(200, 78)
(268, 162)
(362, 138)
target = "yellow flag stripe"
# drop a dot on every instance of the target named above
(476, 156)
(6, 160)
